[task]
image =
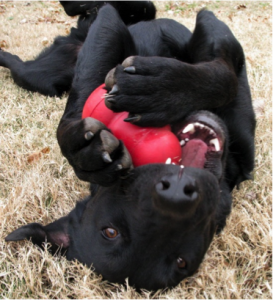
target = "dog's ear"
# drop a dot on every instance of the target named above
(55, 233)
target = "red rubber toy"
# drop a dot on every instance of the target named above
(145, 144)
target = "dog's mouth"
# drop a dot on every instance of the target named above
(201, 139)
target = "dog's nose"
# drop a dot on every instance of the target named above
(177, 195)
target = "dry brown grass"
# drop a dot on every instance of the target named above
(38, 185)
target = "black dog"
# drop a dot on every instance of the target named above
(154, 223)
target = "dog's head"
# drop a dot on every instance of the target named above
(154, 226)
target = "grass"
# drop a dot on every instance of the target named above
(38, 185)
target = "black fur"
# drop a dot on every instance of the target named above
(51, 73)
(153, 223)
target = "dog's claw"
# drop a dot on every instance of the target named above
(91, 126)
(126, 160)
(132, 118)
(130, 70)
(110, 100)
(114, 90)
(109, 142)
(106, 157)
(88, 135)
(128, 62)
(110, 79)
(119, 167)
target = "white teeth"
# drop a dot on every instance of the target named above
(215, 143)
(182, 143)
(189, 128)
(168, 161)
(198, 125)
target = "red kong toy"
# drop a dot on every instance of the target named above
(145, 144)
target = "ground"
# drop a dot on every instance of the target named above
(38, 185)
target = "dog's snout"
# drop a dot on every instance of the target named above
(177, 195)
(174, 188)
(170, 189)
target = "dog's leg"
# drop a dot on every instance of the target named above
(51, 73)
(95, 154)
(160, 91)
(164, 90)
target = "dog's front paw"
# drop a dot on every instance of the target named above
(96, 155)
(143, 86)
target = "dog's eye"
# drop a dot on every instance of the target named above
(110, 233)
(181, 263)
